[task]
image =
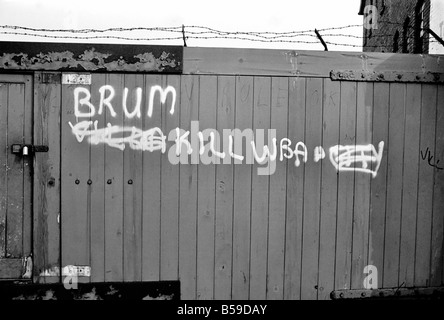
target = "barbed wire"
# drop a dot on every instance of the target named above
(198, 33)
(88, 37)
(171, 29)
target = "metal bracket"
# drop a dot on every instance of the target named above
(40, 148)
(386, 76)
(387, 293)
(27, 149)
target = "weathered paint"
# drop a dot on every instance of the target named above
(27, 267)
(88, 57)
(164, 290)
(50, 272)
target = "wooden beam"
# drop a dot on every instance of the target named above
(268, 62)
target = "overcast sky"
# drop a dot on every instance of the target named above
(227, 15)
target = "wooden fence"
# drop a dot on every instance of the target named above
(358, 177)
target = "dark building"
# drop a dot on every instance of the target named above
(396, 26)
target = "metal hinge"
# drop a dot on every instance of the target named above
(387, 76)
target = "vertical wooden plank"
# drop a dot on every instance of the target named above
(4, 151)
(425, 186)
(437, 268)
(206, 194)
(395, 156)
(312, 190)
(15, 183)
(278, 188)
(169, 200)
(132, 185)
(242, 194)
(46, 249)
(97, 188)
(28, 163)
(114, 187)
(378, 185)
(295, 191)
(75, 173)
(410, 184)
(361, 208)
(151, 190)
(224, 193)
(329, 185)
(260, 193)
(347, 137)
(188, 193)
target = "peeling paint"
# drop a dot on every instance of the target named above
(90, 60)
(92, 291)
(89, 295)
(292, 57)
(80, 271)
(161, 297)
(27, 266)
(51, 272)
(49, 295)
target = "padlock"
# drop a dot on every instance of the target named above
(25, 150)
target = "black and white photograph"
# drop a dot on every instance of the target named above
(221, 156)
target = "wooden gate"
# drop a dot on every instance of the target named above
(249, 174)
(15, 176)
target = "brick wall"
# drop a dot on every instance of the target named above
(398, 27)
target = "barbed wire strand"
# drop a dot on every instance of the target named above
(169, 29)
(198, 32)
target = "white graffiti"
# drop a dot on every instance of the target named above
(206, 146)
(84, 101)
(136, 112)
(106, 101)
(296, 152)
(83, 108)
(163, 96)
(319, 154)
(344, 158)
(114, 136)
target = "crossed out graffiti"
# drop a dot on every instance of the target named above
(206, 146)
